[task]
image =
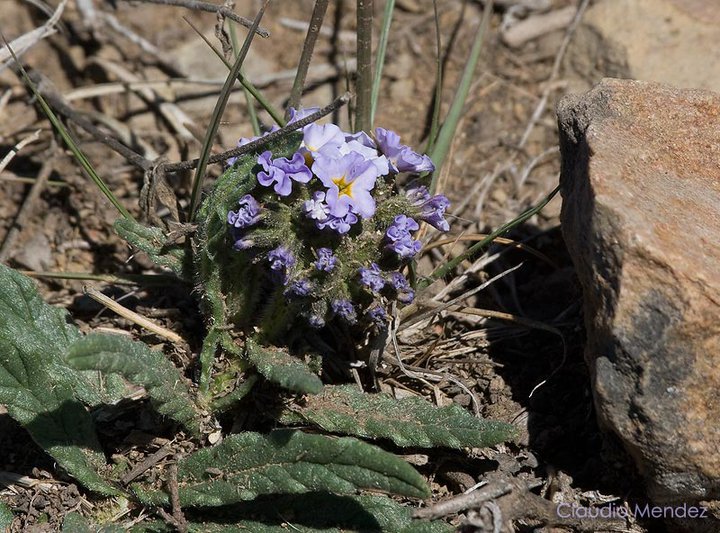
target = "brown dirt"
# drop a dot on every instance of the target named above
(518, 373)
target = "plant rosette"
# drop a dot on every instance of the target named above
(322, 231)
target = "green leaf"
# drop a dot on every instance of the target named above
(153, 241)
(316, 512)
(6, 516)
(76, 523)
(142, 366)
(408, 422)
(282, 368)
(248, 465)
(39, 390)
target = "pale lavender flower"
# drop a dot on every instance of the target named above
(282, 172)
(326, 261)
(349, 179)
(326, 138)
(404, 292)
(372, 278)
(247, 215)
(418, 195)
(299, 114)
(340, 225)
(316, 208)
(363, 144)
(401, 158)
(344, 309)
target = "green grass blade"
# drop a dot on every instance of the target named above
(252, 113)
(380, 57)
(67, 138)
(217, 114)
(447, 131)
(316, 20)
(363, 83)
(475, 249)
(435, 121)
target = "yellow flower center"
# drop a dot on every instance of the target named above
(343, 186)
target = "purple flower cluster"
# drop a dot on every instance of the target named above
(324, 218)
(399, 237)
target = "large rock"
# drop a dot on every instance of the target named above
(641, 218)
(668, 41)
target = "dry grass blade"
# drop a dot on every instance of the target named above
(28, 40)
(19, 146)
(133, 316)
(475, 237)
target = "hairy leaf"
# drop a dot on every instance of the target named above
(6, 517)
(39, 390)
(142, 366)
(408, 422)
(282, 368)
(76, 523)
(153, 241)
(248, 465)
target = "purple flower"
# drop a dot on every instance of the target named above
(244, 140)
(405, 247)
(344, 309)
(340, 225)
(432, 209)
(401, 227)
(433, 212)
(403, 291)
(299, 114)
(372, 278)
(349, 179)
(402, 158)
(299, 287)
(281, 260)
(247, 215)
(401, 242)
(362, 144)
(281, 171)
(326, 261)
(326, 138)
(378, 315)
(316, 208)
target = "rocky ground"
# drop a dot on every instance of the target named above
(524, 366)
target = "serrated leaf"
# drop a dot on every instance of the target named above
(38, 388)
(282, 368)
(408, 422)
(152, 240)
(142, 366)
(248, 465)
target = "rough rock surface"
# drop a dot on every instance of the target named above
(668, 41)
(641, 218)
